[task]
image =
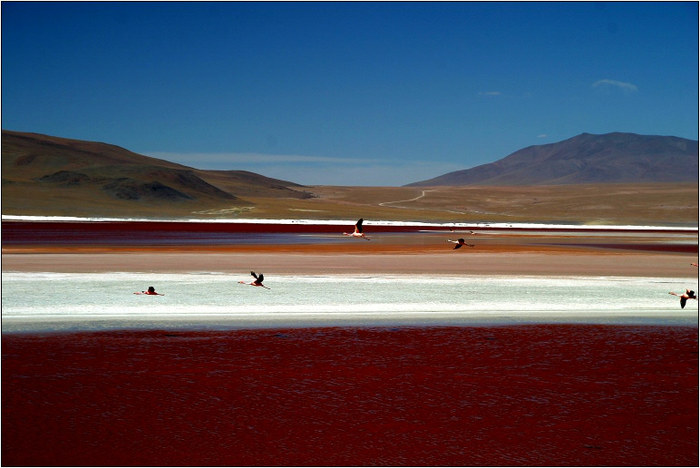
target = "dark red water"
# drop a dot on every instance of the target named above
(515, 395)
(178, 233)
(158, 233)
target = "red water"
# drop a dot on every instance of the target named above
(170, 233)
(513, 395)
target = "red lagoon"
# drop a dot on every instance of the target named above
(201, 233)
(510, 395)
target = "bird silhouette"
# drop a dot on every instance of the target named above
(460, 242)
(258, 280)
(358, 230)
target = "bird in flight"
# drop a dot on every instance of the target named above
(358, 230)
(460, 243)
(689, 294)
(151, 292)
(258, 280)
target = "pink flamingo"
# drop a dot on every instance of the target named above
(258, 280)
(358, 231)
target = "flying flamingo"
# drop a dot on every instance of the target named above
(151, 292)
(685, 296)
(258, 280)
(358, 231)
(460, 243)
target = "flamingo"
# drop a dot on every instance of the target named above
(460, 243)
(358, 230)
(689, 294)
(151, 292)
(258, 280)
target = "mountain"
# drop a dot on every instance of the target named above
(587, 158)
(41, 172)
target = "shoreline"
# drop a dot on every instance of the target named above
(203, 325)
(334, 224)
(540, 255)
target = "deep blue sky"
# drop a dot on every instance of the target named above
(347, 93)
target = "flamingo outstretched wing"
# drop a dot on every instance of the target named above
(258, 279)
(358, 226)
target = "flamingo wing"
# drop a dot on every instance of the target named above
(683, 301)
(358, 225)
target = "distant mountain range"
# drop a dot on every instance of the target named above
(40, 171)
(47, 175)
(586, 159)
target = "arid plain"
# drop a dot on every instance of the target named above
(622, 204)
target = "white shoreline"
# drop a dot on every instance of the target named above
(258, 312)
(72, 324)
(322, 222)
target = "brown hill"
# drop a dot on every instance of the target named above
(587, 159)
(54, 176)
(44, 174)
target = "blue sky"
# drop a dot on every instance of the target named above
(353, 93)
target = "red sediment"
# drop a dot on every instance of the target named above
(511, 395)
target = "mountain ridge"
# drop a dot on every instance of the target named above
(615, 157)
(52, 176)
(38, 169)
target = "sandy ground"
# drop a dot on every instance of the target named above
(330, 259)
